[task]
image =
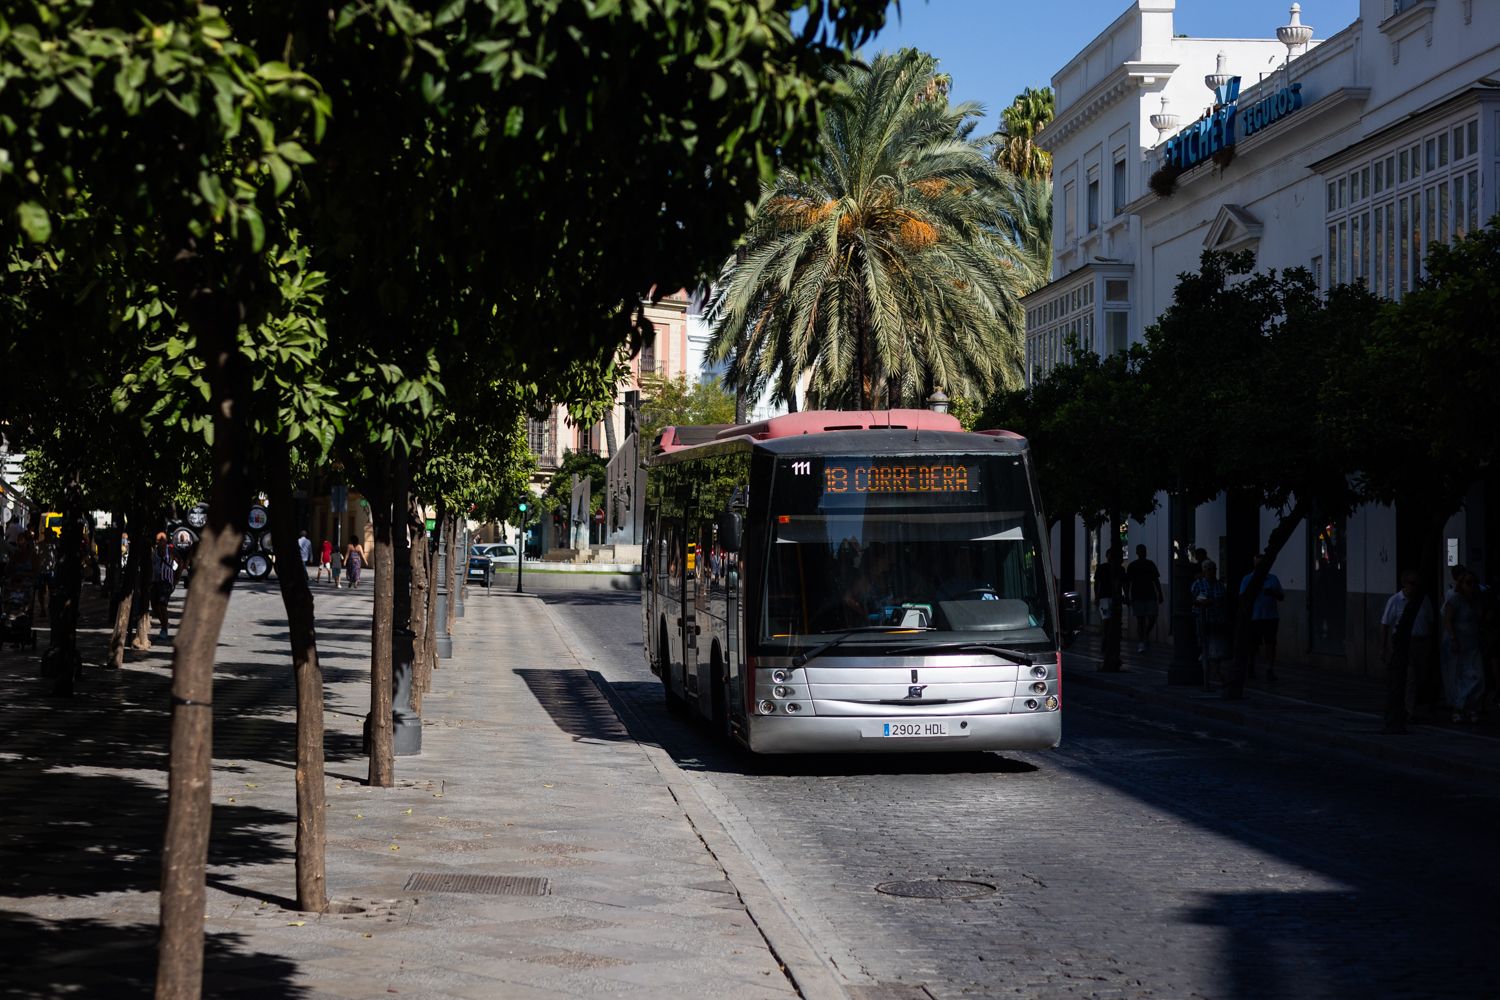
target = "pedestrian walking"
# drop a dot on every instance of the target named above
(1210, 602)
(304, 550)
(1405, 645)
(1143, 583)
(1463, 658)
(325, 553)
(46, 558)
(1265, 616)
(335, 567)
(355, 563)
(163, 581)
(1109, 587)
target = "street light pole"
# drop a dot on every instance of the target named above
(521, 550)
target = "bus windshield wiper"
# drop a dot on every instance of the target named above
(1020, 656)
(801, 658)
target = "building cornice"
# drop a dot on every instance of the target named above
(1124, 79)
(1077, 278)
(1416, 121)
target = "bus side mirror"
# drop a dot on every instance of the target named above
(1072, 617)
(730, 524)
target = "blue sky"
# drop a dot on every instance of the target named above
(996, 48)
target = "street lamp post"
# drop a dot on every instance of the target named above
(521, 550)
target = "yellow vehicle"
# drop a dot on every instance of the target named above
(53, 522)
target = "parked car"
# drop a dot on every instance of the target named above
(488, 558)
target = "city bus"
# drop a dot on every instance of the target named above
(853, 581)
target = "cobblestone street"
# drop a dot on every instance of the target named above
(1152, 855)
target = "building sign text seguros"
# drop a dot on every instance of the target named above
(1217, 129)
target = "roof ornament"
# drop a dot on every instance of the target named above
(1296, 33)
(1164, 121)
(1292, 35)
(1218, 78)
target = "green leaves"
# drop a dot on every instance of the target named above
(895, 268)
(34, 221)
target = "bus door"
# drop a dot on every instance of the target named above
(691, 587)
(701, 626)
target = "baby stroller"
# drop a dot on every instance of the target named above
(17, 616)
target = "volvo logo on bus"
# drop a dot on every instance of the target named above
(915, 690)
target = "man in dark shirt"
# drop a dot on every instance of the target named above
(1143, 585)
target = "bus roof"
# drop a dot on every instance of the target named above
(835, 431)
(821, 421)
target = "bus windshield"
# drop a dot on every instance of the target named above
(936, 548)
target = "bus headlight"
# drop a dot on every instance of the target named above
(783, 692)
(767, 708)
(1032, 704)
(780, 676)
(1052, 703)
(1039, 671)
(1039, 688)
(793, 708)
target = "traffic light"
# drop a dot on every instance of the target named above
(523, 508)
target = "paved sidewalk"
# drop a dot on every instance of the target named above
(1306, 706)
(525, 772)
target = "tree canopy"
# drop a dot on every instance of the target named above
(892, 268)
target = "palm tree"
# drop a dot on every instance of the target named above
(894, 268)
(1031, 212)
(1015, 142)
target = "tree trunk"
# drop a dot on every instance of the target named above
(179, 972)
(1235, 687)
(64, 610)
(430, 651)
(297, 598)
(124, 588)
(455, 572)
(141, 595)
(420, 596)
(401, 531)
(611, 443)
(382, 746)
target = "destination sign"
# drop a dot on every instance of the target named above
(896, 478)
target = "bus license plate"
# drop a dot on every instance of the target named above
(915, 728)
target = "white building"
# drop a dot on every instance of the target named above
(1348, 156)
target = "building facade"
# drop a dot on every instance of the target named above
(1348, 156)
(675, 349)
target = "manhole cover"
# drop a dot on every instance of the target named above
(489, 885)
(936, 888)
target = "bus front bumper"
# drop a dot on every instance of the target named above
(867, 734)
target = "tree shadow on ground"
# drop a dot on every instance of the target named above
(575, 598)
(80, 835)
(80, 957)
(575, 703)
(1276, 945)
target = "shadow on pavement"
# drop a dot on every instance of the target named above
(586, 598)
(82, 957)
(573, 699)
(80, 835)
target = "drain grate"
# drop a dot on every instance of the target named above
(936, 888)
(489, 885)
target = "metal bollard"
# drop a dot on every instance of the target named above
(407, 723)
(463, 574)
